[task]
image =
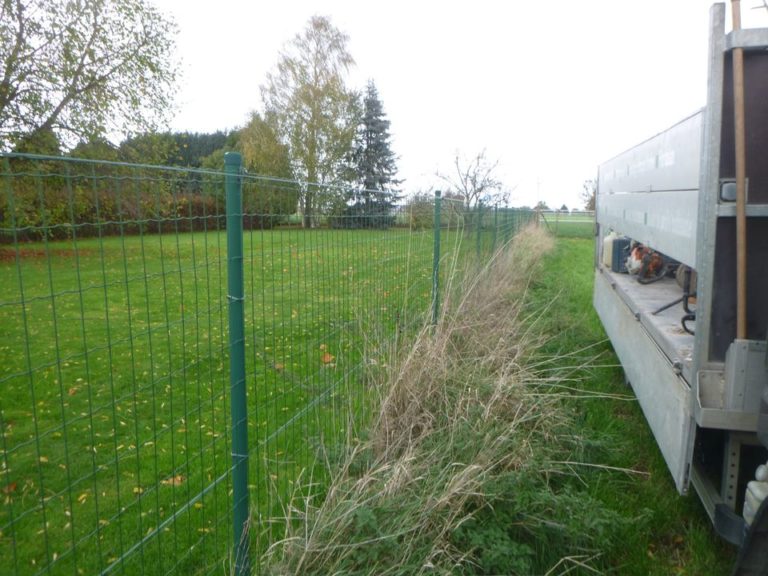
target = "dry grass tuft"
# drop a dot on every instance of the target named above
(457, 409)
(472, 358)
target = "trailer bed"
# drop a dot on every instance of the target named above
(665, 327)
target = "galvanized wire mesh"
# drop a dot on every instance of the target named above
(115, 432)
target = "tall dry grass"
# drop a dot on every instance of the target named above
(460, 428)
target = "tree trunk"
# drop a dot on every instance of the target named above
(306, 210)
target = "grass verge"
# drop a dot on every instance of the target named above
(664, 533)
(468, 466)
(505, 443)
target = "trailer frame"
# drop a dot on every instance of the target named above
(704, 395)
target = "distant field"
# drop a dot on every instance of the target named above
(569, 224)
(115, 409)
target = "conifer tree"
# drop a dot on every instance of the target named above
(374, 165)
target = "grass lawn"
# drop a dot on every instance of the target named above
(667, 533)
(115, 409)
(569, 225)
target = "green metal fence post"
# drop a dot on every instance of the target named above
(495, 226)
(517, 222)
(240, 508)
(436, 262)
(506, 225)
(479, 226)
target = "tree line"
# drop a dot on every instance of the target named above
(71, 75)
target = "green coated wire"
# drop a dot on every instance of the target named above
(271, 386)
(307, 319)
(302, 283)
(58, 363)
(133, 370)
(348, 270)
(169, 350)
(88, 379)
(223, 352)
(293, 448)
(329, 314)
(436, 259)
(507, 229)
(260, 376)
(197, 377)
(30, 372)
(296, 326)
(6, 466)
(261, 385)
(110, 360)
(210, 373)
(322, 312)
(184, 379)
(151, 351)
(184, 371)
(187, 411)
(342, 279)
(9, 502)
(160, 528)
(291, 445)
(495, 226)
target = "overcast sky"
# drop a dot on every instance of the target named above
(549, 88)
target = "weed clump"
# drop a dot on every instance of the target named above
(462, 468)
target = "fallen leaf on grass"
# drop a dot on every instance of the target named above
(327, 358)
(173, 481)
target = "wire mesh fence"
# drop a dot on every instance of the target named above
(115, 454)
(569, 224)
(118, 396)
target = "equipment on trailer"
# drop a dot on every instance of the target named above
(691, 207)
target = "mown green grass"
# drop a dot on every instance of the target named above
(115, 408)
(666, 533)
(569, 225)
(114, 403)
(115, 379)
(585, 489)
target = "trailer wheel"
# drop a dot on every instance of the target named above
(753, 556)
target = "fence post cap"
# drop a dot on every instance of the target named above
(437, 193)
(232, 158)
